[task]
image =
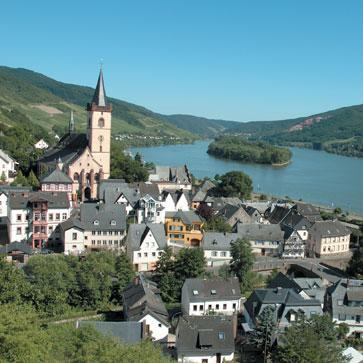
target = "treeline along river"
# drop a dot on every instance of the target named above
(313, 176)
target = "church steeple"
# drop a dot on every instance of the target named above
(99, 97)
(71, 123)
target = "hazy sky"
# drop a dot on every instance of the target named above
(238, 60)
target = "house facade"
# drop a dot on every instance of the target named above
(209, 296)
(7, 167)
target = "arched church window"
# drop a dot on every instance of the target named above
(101, 122)
(100, 148)
(89, 122)
(76, 177)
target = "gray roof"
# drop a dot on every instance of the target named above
(308, 211)
(99, 97)
(137, 233)
(205, 335)
(178, 174)
(7, 158)
(329, 229)
(283, 281)
(228, 211)
(57, 176)
(199, 196)
(146, 188)
(281, 296)
(260, 232)
(187, 217)
(71, 223)
(108, 216)
(218, 241)
(111, 190)
(212, 289)
(207, 185)
(16, 246)
(129, 332)
(20, 200)
(141, 298)
(7, 189)
(220, 202)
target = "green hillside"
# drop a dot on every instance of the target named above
(47, 103)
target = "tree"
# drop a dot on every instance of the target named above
(138, 157)
(342, 330)
(14, 288)
(3, 177)
(189, 263)
(264, 334)
(355, 267)
(235, 184)
(20, 179)
(124, 274)
(33, 180)
(313, 340)
(217, 224)
(165, 263)
(242, 260)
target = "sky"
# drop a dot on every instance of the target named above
(232, 59)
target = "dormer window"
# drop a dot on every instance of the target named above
(213, 292)
(96, 222)
(221, 335)
(195, 292)
(113, 223)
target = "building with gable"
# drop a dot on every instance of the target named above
(85, 156)
(145, 243)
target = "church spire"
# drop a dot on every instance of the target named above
(99, 98)
(71, 123)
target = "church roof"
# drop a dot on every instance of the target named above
(57, 176)
(99, 97)
(68, 149)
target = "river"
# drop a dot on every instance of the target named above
(314, 176)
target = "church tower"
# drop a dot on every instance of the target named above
(99, 127)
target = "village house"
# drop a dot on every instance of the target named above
(41, 145)
(328, 238)
(7, 167)
(288, 305)
(149, 210)
(171, 178)
(173, 201)
(72, 236)
(216, 247)
(184, 228)
(145, 243)
(35, 216)
(207, 296)
(142, 303)
(205, 339)
(233, 214)
(265, 239)
(5, 191)
(344, 301)
(294, 244)
(18, 252)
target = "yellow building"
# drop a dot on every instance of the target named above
(184, 228)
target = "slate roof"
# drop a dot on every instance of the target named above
(284, 297)
(7, 189)
(137, 233)
(69, 148)
(178, 174)
(105, 214)
(220, 202)
(260, 232)
(141, 298)
(99, 97)
(308, 211)
(20, 200)
(202, 336)
(187, 217)
(129, 332)
(111, 190)
(278, 214)
(70, 223)
(329, 229)
(228, 211)
(212, 289)
(7, 158)
(199, 196)
(16, 246)
(145, 188)
(283, 281)
(207, 185)
(57, 176)
(218, 241)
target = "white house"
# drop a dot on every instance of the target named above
(145, 243)
(41, 144)
(206, 296)
(149, 210)
(205, 339)
(175, 200)
(72, 235)
(7, 166)
(142, 303)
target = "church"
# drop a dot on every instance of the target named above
(81, 158)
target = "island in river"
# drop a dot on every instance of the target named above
(258, 152)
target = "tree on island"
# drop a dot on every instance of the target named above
(235, 184)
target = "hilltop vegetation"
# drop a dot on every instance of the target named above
(240, 149)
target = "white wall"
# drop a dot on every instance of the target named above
(211, 259)
(3, 205)
(199, 359)
(157, 329)
(71, 246)
(189, 308)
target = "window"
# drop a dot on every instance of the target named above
(213, 292)
(57, 216)
(113, 223)
(101, 122)
(50, 216)
(145, 254)
(217, 306)
(223, 254)
(221, 335)
(234, 306)
(159, 325)
(18, 217)
(110, 241)
(209, 307)
(153, 254)
(74, 236)
(93, 233)
(64, 216)
(98, 232)
(224, 306)
(139, 255)
(96, 222)
(195, 292)
(104, 242)
(18, 230)
(292, 317)
(340, 302)
(76, 177)
(195, 307)
(214, 253)
(342, 317)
